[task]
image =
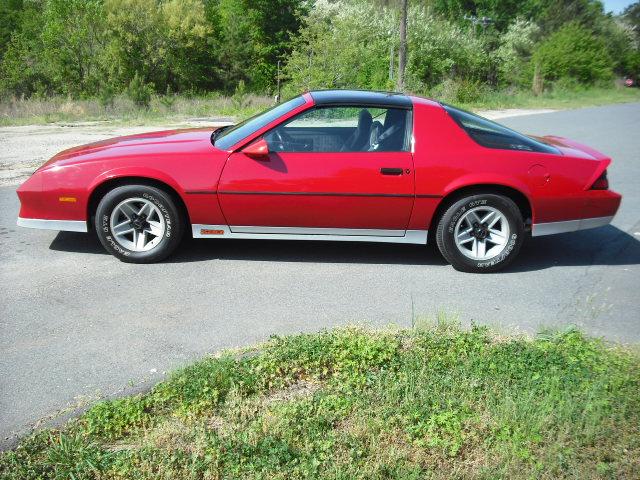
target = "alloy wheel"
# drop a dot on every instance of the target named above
(482, 233)
(137, 224)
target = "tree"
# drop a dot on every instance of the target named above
(631, 15)
(574, 52)
(402, 53)
(348, 44)
(552, 15)
(159, 42)
(515, 49)
(254, 35)
(10, 17)
(73, 41)
(22, 71)
(501, 12)
(343, 45)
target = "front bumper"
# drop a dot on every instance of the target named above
(62, 225)
(46, 204)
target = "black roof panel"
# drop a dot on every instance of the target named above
(361, 97)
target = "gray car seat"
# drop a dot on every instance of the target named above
(359, 140)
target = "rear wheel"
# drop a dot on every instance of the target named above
(480, 233)
(138, 224)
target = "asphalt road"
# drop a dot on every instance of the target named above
(76, 323)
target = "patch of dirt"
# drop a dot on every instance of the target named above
(297, 390)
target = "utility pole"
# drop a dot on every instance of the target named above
(278, 84)
(402, 61)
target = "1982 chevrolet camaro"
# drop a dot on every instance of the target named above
(328, 165)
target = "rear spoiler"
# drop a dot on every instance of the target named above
(603, 161)
(567, 143)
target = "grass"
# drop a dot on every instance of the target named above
(435, 403)
(177, 108)
(122, 110)
(558, 98)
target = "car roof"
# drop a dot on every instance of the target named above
(360, 97)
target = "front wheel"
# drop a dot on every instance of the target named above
(480, 233)
(138, 224)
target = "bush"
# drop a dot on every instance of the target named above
(349, 44)
(515, 51)
(574, 52)
(139, 91)
(439, 50)
(117, 417)
(344, 45)
(459, 91)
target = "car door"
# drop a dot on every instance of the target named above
(329, 170)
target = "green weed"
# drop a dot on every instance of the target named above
(432, 402)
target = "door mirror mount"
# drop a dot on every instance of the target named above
(258, 150)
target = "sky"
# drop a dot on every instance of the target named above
(616, 6)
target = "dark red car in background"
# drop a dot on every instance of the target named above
(328, 165)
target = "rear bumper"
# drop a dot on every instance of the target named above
(595, 207)
(63, 225)
(539, 229)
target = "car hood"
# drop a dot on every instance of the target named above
(143, 143)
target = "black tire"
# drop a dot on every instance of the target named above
(173, 223)
(445, 233)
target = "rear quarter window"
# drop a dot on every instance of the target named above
(493, 135)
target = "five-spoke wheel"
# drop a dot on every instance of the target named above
(138, 223)
(480, 233)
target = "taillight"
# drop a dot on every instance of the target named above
(601, 183)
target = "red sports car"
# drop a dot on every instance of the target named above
(328, 165)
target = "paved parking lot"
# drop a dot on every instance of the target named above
(75, 322)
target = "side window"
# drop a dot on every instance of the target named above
(343, 129)
(493, 135)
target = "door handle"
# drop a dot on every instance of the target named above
(391, 171)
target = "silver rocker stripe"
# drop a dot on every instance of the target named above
(63, 225)
(319, 231)
(298, 233)
(539, 229)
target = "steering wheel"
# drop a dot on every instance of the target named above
(282, 138)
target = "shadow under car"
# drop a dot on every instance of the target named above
(601, 246)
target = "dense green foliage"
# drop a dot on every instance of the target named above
(435, 403)
(573, 52)
(451, 52)
(104, 48)
(99, 47)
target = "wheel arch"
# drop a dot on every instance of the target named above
(102, 188)
(519, 198)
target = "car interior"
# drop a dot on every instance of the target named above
(343, 129)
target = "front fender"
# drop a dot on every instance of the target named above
(136, 172)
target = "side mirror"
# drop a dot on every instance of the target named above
(258, 150)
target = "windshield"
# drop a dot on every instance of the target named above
(232, 135)
(493, 135)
